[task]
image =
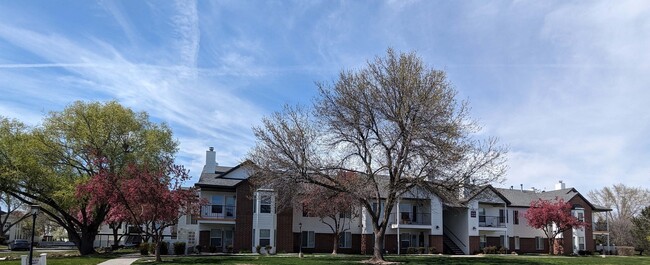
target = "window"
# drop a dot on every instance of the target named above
(308, 239)
(265, 237)
(539, 243)
(265, 204)
(517, 246)
(173, 231)
(502, 216)
(515, 217)
(345, 240)
(405, 240)
(581, 216)
(215, 237)
(581, 243)
(481, 215)
(217, 204)
(502, 241)
(230, 206)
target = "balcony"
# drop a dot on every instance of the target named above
(409, 218)
(599, 228)
(492, 221)
(218, 211)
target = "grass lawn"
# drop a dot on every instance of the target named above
(60, 258)
(354, 259)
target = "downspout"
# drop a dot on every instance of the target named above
(257, 220)
(607, 222)
(399, 247)
(506, 239)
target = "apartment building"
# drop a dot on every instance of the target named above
(238, 218)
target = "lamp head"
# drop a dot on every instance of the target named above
(35, 209)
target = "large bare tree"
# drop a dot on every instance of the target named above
(396, 123)
(626, 203)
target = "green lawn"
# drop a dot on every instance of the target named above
(60, 258)
(354, 259)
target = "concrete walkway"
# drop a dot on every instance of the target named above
(124, 260)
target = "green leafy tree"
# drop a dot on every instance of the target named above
(641, 230)
(51, 160)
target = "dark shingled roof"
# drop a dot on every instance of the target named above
(216, 179)
(523, 198)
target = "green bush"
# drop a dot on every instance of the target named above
(164, 248)
(411, 250)
(490, 250)
(258, 249)
(212, 249)
(144, 248)
(268, 249)
(179, 248)
(421, 250)
(433, 250)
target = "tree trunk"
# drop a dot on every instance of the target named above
(86, 244)
(335, 248)
(116, 239)
(550, 245)
(157, 249)
(378, 249)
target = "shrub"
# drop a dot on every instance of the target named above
(433, 250)
(411, 250)
(268, 249)
(229, 248)
(199, 248)
(164, 248)
(421, 250)
(502, 250)
(625, 251)
(490, 250)
(144, 248)
(179, 248)
(212, 249)
(258, 249)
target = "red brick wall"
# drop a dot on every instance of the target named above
(436, 241)
(244, 223)
(527, 245)
(474, 244)
(324, 243)
(284, 238)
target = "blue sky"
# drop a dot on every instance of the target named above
(565, 85)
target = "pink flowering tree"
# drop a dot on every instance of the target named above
(147, 195)
(552, 217)
(335, 209)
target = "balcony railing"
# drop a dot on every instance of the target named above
(492, 221)
(599, 227)
(408, 218)
(218, 211)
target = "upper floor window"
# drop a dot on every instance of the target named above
(265, 204)
(581, 216)
(515, 217)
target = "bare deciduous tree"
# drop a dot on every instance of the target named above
(626, 203)
(395, 123)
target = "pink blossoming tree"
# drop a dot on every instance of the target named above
(552, 217)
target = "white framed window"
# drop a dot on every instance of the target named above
(217, 204)
(515, 217)
(173, 230)
(215, 237)
(405, 240)
(308, 240)
(265, 204)
(517, 246)
(345, 240)
(581, 216)
(581, 243)
(539, 243)
(265, 237)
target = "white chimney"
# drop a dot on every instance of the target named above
(210, 161)
(560, 185)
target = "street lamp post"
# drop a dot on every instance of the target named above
(34, 209)
(300, 252)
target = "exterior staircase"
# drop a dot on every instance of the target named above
(450, 247)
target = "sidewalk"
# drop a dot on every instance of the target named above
(124, 260)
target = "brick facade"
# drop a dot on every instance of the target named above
(474, 244)
(436, 242)
(244, 224)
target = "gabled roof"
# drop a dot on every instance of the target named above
(220, 177)
(490, 188)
